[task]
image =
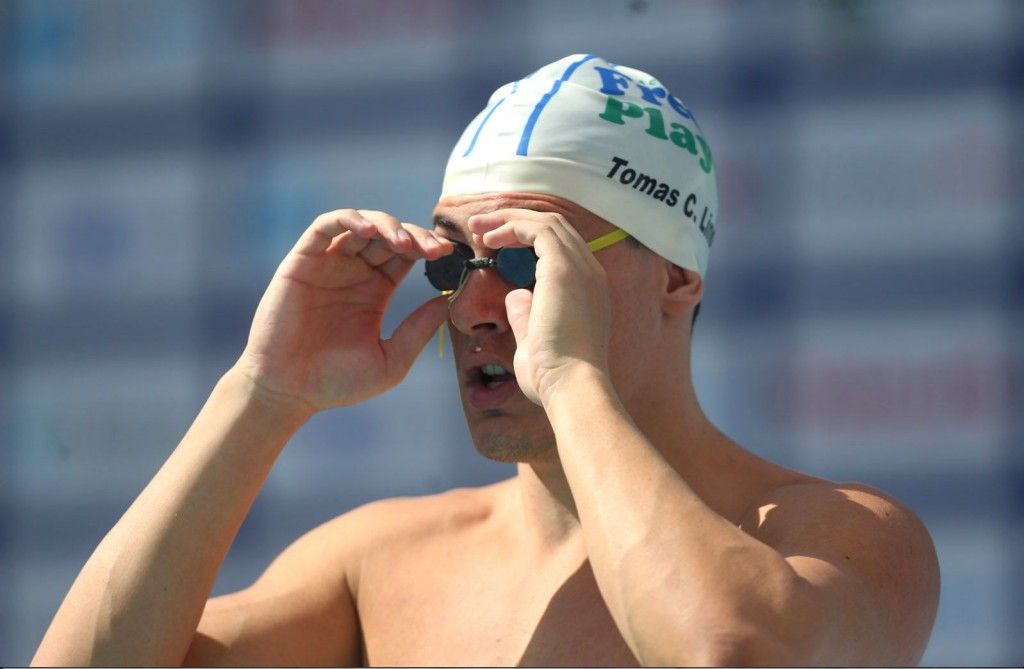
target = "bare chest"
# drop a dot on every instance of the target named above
(485, 617)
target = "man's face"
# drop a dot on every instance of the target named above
(504, 424)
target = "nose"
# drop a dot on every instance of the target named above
(479, 307)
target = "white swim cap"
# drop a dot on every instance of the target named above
(611, 139)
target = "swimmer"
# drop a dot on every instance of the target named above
(570, 245)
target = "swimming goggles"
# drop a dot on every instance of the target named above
(517, 266)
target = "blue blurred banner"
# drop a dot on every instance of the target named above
(863, 312)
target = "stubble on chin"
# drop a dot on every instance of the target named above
(513, 444)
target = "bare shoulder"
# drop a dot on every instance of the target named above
(397, 523)
(404, 520)
(839, 514)
(303, 609)
(867, 550)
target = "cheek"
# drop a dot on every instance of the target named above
(635, 322)
(635, 307)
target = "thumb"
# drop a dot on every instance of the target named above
(517, 308)
(413, 333)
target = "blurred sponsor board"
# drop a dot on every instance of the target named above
(106, 229)
(925, 392)
(97, 432)
(869, 188)
(105, 51)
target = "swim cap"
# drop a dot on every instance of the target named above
(610, 138)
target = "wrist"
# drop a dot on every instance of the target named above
(572, 381)
(279, 407)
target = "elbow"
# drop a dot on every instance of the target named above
(737, 644)
(747, 648)
(756, 636)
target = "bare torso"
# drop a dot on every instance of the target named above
(467, 577)
(457, 592)
(451, 584)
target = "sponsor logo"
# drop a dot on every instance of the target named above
(618, 111)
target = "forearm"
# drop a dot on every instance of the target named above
(682, 583)
(139, 597)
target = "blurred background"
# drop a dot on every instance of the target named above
(863, 313)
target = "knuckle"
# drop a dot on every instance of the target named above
(379, 217)
(415, 230)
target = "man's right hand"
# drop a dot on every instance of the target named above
(316, 336)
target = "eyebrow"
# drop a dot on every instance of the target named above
(441, 221)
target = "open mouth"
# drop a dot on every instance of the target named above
(493, 376)
(490, 385)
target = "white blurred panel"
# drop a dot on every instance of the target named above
(924, 391)
(735, 374)
(754, 188)
(907, 26)
(105, 51)
(98, 431)
(268, 201)
(625, 31)
(109, 228)
(321, 43)
(871, 189)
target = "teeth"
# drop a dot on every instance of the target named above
(494, 370)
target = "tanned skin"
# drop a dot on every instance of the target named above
(634, 532)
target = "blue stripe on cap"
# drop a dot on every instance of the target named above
(524, 142)
(480, 127)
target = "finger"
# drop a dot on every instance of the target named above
(511, 233)
(481, 223)
(396, 268)
(390, 228)
(412, 334)
(351, 244)
(377, 252)
(541, 235)
(426, 244)
(517, 308)
(326, 227)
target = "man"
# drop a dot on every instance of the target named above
(634, 531)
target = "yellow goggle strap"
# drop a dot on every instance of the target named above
(604, 241)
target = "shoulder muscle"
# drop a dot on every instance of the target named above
(870, 557)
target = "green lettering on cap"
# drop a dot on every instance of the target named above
(705, 159)
(656, 126)
(616, 109)
(683, 138)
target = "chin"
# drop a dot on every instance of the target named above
(512, 445)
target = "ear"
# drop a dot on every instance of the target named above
(683, 290)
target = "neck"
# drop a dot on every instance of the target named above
(676, 427)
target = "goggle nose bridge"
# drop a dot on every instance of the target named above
(478, 263)
(471, 264)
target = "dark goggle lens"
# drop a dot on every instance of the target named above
(517, 266)
(445, 273)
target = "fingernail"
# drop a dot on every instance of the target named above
(402, 235)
